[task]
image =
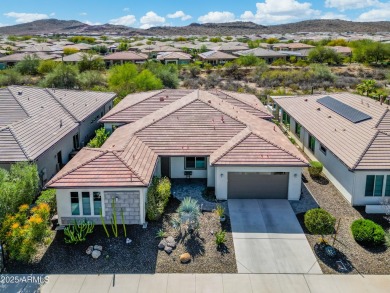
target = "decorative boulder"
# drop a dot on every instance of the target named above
(168, 249)
(170, 242)
(162, 244)
(185, 258)
(96, 254)
(89, 250)
(98, 247)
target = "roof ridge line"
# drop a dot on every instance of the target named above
(365, 150)
(224, 92)
(19, 143)
(62, 105)
(102, 152)
(382, 117)
(259, 136)
(235, 144)
(128, 166)
(114, 113)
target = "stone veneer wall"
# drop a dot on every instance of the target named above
(128, 201)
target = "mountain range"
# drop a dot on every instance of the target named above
(71, 27)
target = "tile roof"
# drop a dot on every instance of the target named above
(135, 106)
(216, 55)
(174, 55)
(197, 123)
(35, 118)
(126, 55)
(260, 52)
(357, 145)
(20, 56)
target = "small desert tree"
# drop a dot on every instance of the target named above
(101, 136)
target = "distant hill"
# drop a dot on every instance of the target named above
(56, 26)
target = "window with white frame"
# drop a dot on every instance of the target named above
(86, 203)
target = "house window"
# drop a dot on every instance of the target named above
(298, 129)
(374, 185)
(86, 200)
(323, 149)
(195, 163)
(97, 203)
(74, 202)
(286, 118)
(387, 188)
(86, 206)
(312, 143)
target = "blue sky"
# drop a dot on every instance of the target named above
(148, 13)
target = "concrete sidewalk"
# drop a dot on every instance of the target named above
(215, 283)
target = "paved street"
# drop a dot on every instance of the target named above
(269, 239)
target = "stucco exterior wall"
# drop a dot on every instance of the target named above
(131, 200)
(221, 179)
(359, 198)
(177, 169)
(210, 174)
(47, 161)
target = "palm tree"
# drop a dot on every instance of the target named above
(367, 87)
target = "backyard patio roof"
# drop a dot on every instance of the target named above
(198, 124)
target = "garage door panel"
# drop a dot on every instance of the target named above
(257, 185)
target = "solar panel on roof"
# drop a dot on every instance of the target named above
(343, 110)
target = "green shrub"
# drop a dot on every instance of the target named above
(101, 136)
(319, 221)
(158, 195)
(220, 237)
(315, 168)
(367, 232)
(48, 196)
(78, 232)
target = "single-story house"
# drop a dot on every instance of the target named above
(74, 58)
(231, 47)
(268, 55)
(124, 57)
(345, 51)
(350, 135)
(216, 57)
(291, 46)
(46, 125)
(224, 137)
(178, 58)
(11, 60)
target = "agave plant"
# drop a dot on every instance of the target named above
(189, 213)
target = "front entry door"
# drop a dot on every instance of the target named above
(165, 167)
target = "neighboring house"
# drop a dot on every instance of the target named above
(74, 58)
(11, 60)
(230, 47)
(224, 137)
(80, 47)
(216, 57)
(268, 56)
(346, 51)
(46, 125)
(350, 135)
(42, 49)
(178, 58)
(124, 57)
(291, 46)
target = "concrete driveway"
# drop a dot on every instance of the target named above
(269, 239)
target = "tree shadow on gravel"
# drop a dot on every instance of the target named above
(339, 263)
(194, 245)
(322, 180)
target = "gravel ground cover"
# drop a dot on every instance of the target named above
(355, 258)
(140, 256)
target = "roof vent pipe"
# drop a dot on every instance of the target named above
(20, 93)
(60, 123)
(381, 99)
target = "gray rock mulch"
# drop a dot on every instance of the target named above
(351, 256)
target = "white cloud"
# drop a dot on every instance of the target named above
(52, 14)
(380, 14)
(124, 20)
(179, 14)
(350, 4)
(92, 23)
(331, 15)
(151, 19)
(21, 17)
(83, 13)
(217, 17)
(277, 11)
